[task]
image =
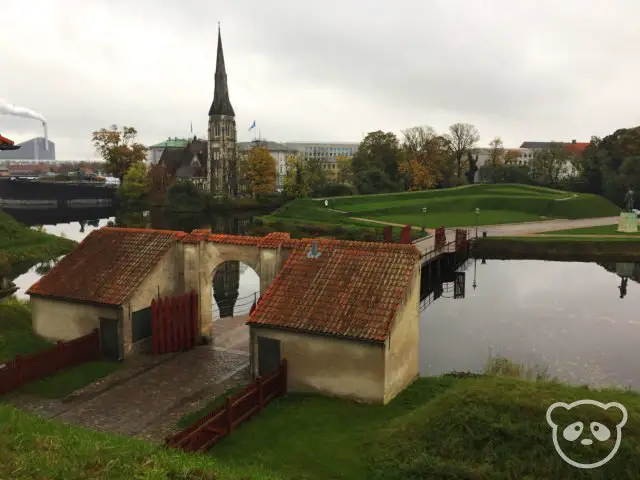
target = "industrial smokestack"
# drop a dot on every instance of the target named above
(46, 136)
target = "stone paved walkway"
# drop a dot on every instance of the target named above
(149, 394)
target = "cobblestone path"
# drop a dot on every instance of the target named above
(149, 393)
(133, 406)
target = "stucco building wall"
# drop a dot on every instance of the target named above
(402, 349)
(328, 365)
(59, 320)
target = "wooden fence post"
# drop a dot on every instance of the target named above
(187, 322)
(260, 394)
(167, 325)
(154, 326)
(181, 321)
(229, 407)
(195, 316)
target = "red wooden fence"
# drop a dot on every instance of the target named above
(461, 239)
(27, 368)
(175, 324)
(405, 235)
(441, 237)
(210, 429)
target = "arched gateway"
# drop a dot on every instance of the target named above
(111, 278)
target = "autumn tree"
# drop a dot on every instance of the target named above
(135, 187)
(461, 138)
(423, 155)
(294, 183)
(511, 157)
(261, 171)
(119, 149)
(496, 152)
(160, 180)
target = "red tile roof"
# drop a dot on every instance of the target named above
(107, 266)
(578, 147)
(352, 290)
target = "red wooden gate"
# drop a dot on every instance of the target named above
(175, 323)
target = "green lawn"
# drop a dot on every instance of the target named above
(451, 207)
(600, 230)
(478, 427)
(541, 238)
(17, 338)
(32, 448)
(22, 245)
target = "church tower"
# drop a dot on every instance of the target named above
(222, 153)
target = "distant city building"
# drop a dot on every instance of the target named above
(327, 154)
(279, 151)
(33, 149)
(527, 151)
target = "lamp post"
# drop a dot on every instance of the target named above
(477, 216)
(424, 219)
(475, 261)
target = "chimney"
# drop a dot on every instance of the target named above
(314, 253)
(573, 141)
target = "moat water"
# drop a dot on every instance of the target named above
(579, 320)
(569, 317)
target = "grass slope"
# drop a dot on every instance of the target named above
(439, 428)
(17, 338)
(485, 427)
(453, 207)
(32, 448)
(22, 245)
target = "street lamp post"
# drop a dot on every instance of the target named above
(424, 219)
(477, 217)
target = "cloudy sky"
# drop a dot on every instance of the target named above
(321, 71)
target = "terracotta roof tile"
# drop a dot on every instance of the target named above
(107, 266)
(353, 289)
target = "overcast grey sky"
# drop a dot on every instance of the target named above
(322, 71)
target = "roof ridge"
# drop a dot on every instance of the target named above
(178, 233)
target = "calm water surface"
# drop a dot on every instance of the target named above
(566, 316)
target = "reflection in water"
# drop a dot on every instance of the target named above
(560, 315)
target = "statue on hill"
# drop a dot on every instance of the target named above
(628, 200)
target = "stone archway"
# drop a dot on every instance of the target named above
(204, 252)
(232, 295)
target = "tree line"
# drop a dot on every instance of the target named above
(420, 159)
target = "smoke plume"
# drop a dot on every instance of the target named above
(16, 111)
(8, 109)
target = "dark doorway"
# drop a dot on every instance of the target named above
(109, 338)
(268, 355)
(141, 324)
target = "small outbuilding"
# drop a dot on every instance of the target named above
(345, 316)
(107, 282)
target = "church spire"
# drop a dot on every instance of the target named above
(221, 104)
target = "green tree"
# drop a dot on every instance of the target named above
(375, 164)
(549, 165)
(461, 138)
(261, 171)
(184, 196)
(119, 149)
(135, 188)
(315, 175)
